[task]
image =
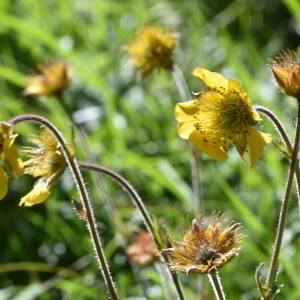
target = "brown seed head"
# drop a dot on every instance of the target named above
(206, 248)
(286, 70)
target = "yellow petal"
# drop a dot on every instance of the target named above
(256, 140)
(184, 115)
(211, 79)
(256, 116)
(213, 150)
(11, 155)
(184, 111)
(3, 183)
(38, 194)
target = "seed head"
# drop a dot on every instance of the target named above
(286, 71)
(206, 247)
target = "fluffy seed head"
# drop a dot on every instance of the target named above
(206, 247)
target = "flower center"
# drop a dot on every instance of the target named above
(205, 254)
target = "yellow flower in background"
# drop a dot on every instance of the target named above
(9, 157)
(54, 79)
(152, 49)
(221, 117)
(47, 162)
(206, 247)
(3, 183)
(286, 70)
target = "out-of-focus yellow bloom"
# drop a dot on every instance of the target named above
(221, 117)
(3, 183)
(9, 156)
(206, 247)
(39, 193)
(152, 49)
(54, 79)
(286, 70)
(47, 162)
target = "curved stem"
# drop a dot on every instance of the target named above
(283, 214)
(186, 95)
(83, 196)
(129, 189)
(278, 125)
(216, 284)
(142, 209)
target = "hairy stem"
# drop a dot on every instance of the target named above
(136, 199)
(215, 281)
(271, 279)
(83, 196)
(100, 187)
(186, 95)
(280, 128)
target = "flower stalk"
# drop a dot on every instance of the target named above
(278, 125)
(72, 163)
(273, 269)
(136, 199)
(185, 94)
(215, 281)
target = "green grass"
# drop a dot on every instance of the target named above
(131, 128)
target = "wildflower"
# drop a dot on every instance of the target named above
(9, 156)
(47, 162)
(221, 117)
(54, 79)
(152, 49)
(142, 251)
(286, 70)
(206, 248)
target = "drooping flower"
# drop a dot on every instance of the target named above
(47, 162)
(286, 70)
(54, 79)
(143, 250)
(152, 49)
(9, 156)
(206, 247)
(221, 117)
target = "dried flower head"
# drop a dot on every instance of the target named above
(152, 49)
(221, 117)
(143, 250)
(9, 157)
(54, 79)
(47, 162)
(286, 70)
(206, 247)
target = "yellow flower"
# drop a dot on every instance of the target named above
(152, 49)
(3, 183)
(9, 156)
(54, 79)
(47, 162)
(39, 193)
(206, 247)
(221, 117)
(286, 70)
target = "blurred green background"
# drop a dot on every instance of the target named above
(131, 128)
